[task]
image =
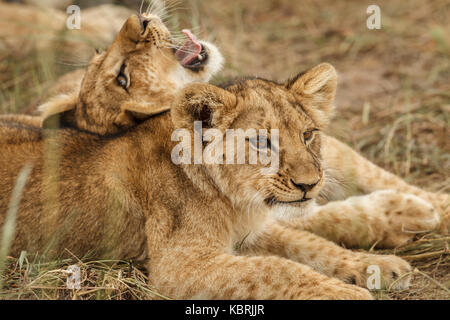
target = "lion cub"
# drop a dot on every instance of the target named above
(203, 229)
(135, 78)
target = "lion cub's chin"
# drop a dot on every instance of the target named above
(287, 212)
(183, 76)
(214, 63)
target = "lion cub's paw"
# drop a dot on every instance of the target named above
(394, 271)
(404, 215)
(377, 272)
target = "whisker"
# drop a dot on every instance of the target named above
(180, 50)
(159, 8)
(150, 3)
(142, 5)
(78, 65)
(171, 4)
(164, 55)
(194, 30)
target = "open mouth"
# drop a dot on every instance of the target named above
(192, 54)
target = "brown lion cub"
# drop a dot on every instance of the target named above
(204, 230)
(135, 78)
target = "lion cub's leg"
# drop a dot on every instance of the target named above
(186, 272)
(349, 166)
(329, 258)
(385, 218)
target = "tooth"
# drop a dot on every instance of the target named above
(200, 57)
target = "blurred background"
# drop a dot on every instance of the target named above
(393, 99)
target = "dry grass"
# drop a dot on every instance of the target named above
(105, 280)
(430, 255)
(393, 105)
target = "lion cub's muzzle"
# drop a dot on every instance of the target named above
(305, 188)
(296, 191)
(147, 22)
(153, 30)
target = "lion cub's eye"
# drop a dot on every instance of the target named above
(308, 135)
(260, 143)
(122, 79)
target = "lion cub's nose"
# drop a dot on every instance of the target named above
(303, 186)
(144, 21)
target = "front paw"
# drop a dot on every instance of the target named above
(376, 272)
(387, 272)
(403, 216)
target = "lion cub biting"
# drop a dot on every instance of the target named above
(204, 230)
(135, 78)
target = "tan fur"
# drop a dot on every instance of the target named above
(369, 178)
(204, 230)
(385, 218)
(144, 54)
(21, 119)
(327, 257)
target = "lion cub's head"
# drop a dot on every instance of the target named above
(291, 116)
(136, 77)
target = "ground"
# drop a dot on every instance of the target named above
(393, 105)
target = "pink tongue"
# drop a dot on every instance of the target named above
(190, 49)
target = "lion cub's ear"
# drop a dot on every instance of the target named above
(316, 89)
(59, 112)
(205, 103)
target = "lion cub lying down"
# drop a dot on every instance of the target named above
(135, 78)
(204, 230)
